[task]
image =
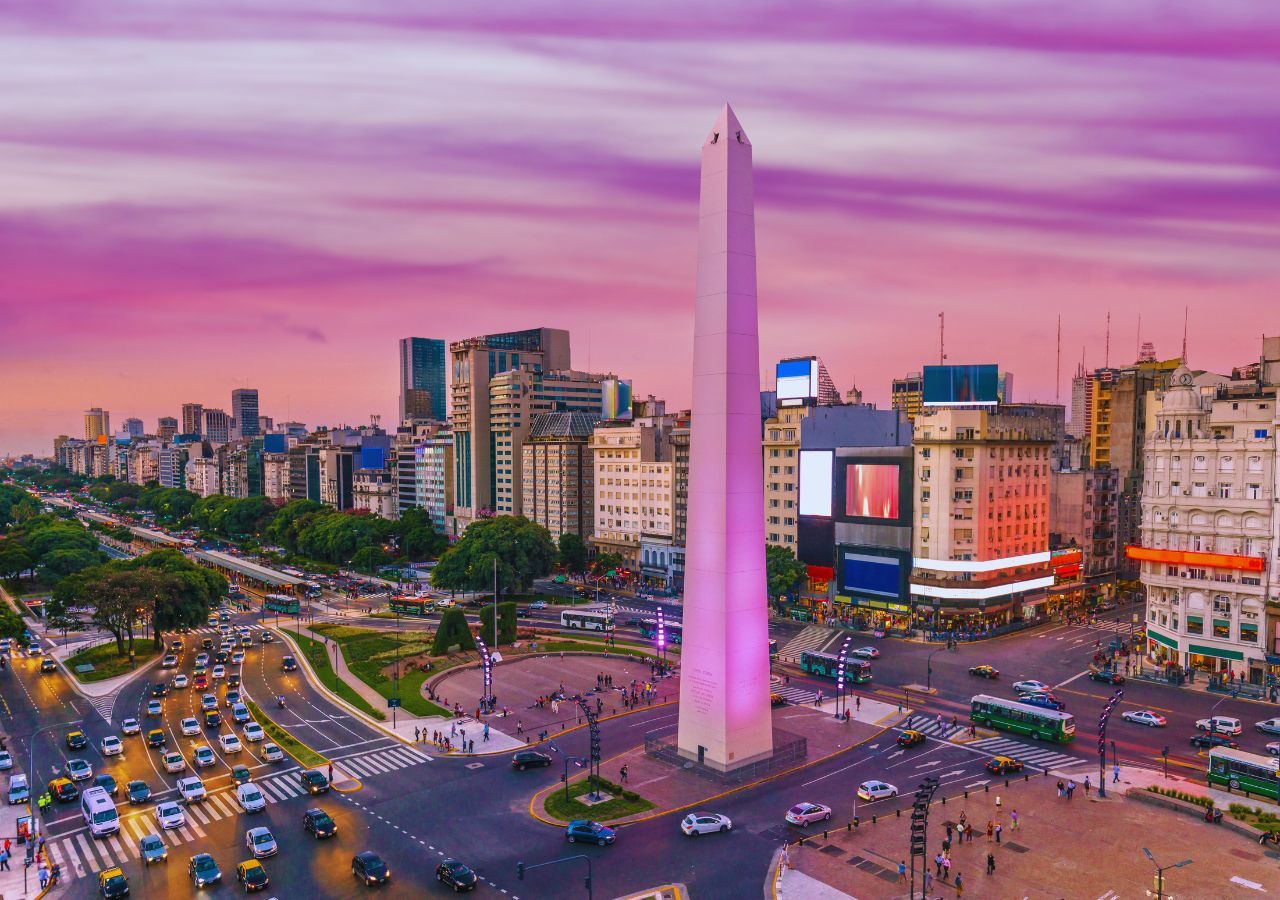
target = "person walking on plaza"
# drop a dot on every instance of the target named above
(1086, 787)
(1115, 773)
(991, 829)
(991, 863)
(946, 867)
(959, 884)
(999, 828)
(968, 830)
(928, 880)
(623, 774)
(1062, 789)
(1013, 820)
(4, 860)
(417, 735)
(1071, 789)
(902, 871)
(486, 731)
(937, 861)
(44, 875)
(999, 804)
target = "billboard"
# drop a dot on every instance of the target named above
(797, 380)
(871, 491)
(275, 443)
(874, 572)
(961, 385)
(815, 482)
(615, 399)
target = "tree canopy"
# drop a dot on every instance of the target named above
(523, 551)
(572, 552)
(785, 572)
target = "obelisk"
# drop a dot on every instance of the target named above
(724, 658)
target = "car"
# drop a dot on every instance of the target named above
(224, 628)
(219, 671)
(1106, 606)
(181, 681)
(252, 875)
(1220, 725)
(1268, 726)
(1206, 740)
(805, 813)
(130, 726)
(369, 868)
(529, 759)
(1003, 765)
(138, 791)
(876, 790)
(1274, 748)
(76, 740)
(237, 657)
(174, 761)
(192, 789)
(910, 738)
(47, 665)
(865, 653)
(176, 645)
(203, 870)
(203, 756)
(202, 659)
(34, 649)
(240, 713)
(212, 719)
(288, 664)
(272, 752)
(233, 680)
(170, 815)
(200, 682)
(154, 707)
(984, 671)
(113, 883)
(253, 731)
(231, 698)
(695, 824)
(776, 699)
(1030, 686)
(159, 689)
(1106, 676)
(266, 637)
(221, 658)
(589, 832)
(319, 823)
(230, 743)
(314, 781)
(63, 790)
(190, 726)
(208, 701)
(207, 644)
(156, 738)
(169, 662)
(19, 792)
(1144, 717)
(1043, 700)
(78, 770)
(456, 875)
(152, 848)
(538, 604)
(108, 784)
(250, 798)
(6, 760)
(260, 842)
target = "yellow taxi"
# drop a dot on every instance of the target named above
(777, 700)
(1003, 765)
(910, 738)
(76, 740)
(252, 875)
(113, 883)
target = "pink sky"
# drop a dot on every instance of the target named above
(200, 195)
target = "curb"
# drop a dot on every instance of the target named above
(358, 784)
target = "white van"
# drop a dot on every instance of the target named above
(99, 812)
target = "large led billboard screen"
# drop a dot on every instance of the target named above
(871, 573)
(815, 482)
(797, 379)
(871, 491)
(961, 385)
(615, 396)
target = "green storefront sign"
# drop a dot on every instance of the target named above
(1214, 651)
(1155, 635)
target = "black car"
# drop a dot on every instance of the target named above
(212, 719)
(207, 643)
(529, 759)
(369, 868)
(1214, 740)
(456, 875)
(288, 664)
(139, 792)
(319, 823)
(159, 689)
(108, 784)
(222, 657)
(48, 665)
(314, 781)
(1106, 676)
(233, 680)
(77, 741)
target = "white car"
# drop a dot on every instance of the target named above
(174, 762)
(192, 789)
(695, 824)
(111, 746)
(1031, 686)
(155, 708)
(78, 770)
(804, 813)
(250, 798)
(190, 726)
(272, 753)
(181, 681)
(208, 702)
(6, 761)
(1274, 748)
(253, 731)
(1268, 726)
(237, 658)
(203, 756)
(219, 672)
(230, 743)
(130, 726)
(1144, 717)
(865, 653)
(876, 790)
(260, 842)
(170, 815)
(202, 659)
(1220, 725)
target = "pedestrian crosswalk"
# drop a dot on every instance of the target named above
(386, 759)
(795, 695)
(1027, 754)
(811, 638)
(933, 727)
(214, 629)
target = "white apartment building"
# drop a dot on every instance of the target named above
(781, 483)
(203, 476)
(275, 476)
(634, 488)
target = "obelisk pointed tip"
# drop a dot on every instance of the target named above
(727, 128)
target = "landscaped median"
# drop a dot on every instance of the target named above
(317, 654)
(107, 663)
(622, 802)
(371, 656)
(290, 744)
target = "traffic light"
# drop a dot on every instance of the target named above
(520, 871)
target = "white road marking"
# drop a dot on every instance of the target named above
(1252, 885)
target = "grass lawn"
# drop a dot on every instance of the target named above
(1263, 821)
(320, 662)
(624, 803)
(107, 663)
(593, 647)
(288, 743)
(368, 652)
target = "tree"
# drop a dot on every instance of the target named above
(507, 622)
(607, 562)
(523, 551)
(119, 600)
(785, 572)
(453, 631)
(14, 560)
(11, 624)
(573, 552)
(185, 593)
(369, 559)
(61, 563)
(16, 505)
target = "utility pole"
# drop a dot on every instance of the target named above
(1106, 361)
(942, 339)
(1057, 372)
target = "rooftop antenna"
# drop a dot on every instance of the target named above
(1106, 360)
(1138, 345)
(942, 339)
(1186, 314)
(1057, 372)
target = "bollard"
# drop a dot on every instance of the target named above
(944, 801)
(1026, 777)
(825, 836)
(966, 793)
(986, 789)
(1006, 782)
(898, 813)
(873, 820)
(849, 827)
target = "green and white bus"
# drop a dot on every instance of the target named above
(857, 671)
(1243, 771)
(1010, 715)
(588, 619)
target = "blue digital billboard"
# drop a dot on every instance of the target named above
(874, 572)
(961, 385)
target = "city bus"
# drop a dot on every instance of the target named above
(1012, 715)
(411, 606)
(1243, 771)
(281, 603)
(673, 631)
(857, 671)
(597, 619)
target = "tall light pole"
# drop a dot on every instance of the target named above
(928, 675)
(841, 664)
(1160, 870)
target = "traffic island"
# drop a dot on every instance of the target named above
(593, 798)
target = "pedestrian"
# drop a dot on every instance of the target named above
(486, 731)
(1013, 820)
(1061, 789)
(1086, 787)
(999, 828)
(1115, 773)
(1071, 789)
(44, 875)
(946, 867)
(963, 817)
(999, 803)
(858, 703)
(519, 727)
(471, 746)
(902, 871)
(7, 844)
(968, 831)
(4, 860)
(960, 830)
(959, 884)
(991, 829)
(939, 720)
(937, 861)
(453, 729)
(623, 773)
(331, 773)
(991, 863)
(948, 831)
(417, 735)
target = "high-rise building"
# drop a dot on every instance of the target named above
(244, 409)
(192, 418)
(907, 394)
(97, 423)
(172, 466)
(265, 425)
(217, 426)
(422, 384)
(133, 427)
(203, 476)
(275, 476)
(475, 362)
(633, 487)
(1084, 513)
(558, 473)
(781, 484)
(166, 428)
(804, 380)
(1081, 404)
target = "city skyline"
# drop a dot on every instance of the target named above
(1072, 164)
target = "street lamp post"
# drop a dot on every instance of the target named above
(395, 681)
(842, 662)
(928, 675)
(1103, 718)
(1160, 870)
